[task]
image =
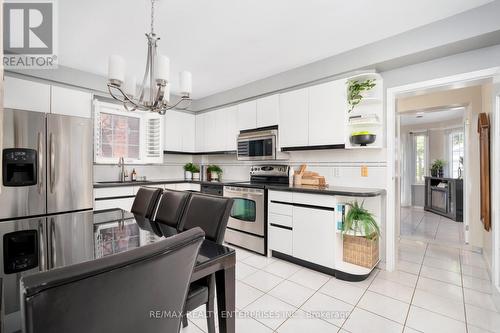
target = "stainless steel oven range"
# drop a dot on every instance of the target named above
(248, 219)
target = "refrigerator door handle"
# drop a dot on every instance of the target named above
(41, 246)
(53, 255)
(40, 163)
(52, 163)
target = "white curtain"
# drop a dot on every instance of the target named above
(406, 168)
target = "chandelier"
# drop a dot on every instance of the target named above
(156, 96)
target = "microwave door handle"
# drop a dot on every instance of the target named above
(40, 163)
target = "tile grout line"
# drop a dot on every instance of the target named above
(463, 292)
(416, 283)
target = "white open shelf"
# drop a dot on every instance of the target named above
(370, 105)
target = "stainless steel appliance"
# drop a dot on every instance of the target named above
(46, 194)
(47, 164)
(214, 189)
(247, 222)
(259, 144)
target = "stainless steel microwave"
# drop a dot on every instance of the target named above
(257, 145)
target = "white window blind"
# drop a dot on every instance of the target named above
(135, 136)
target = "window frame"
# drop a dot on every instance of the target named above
(115, 109)
(449, 148)
(414, 156)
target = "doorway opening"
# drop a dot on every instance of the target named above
(432, 162)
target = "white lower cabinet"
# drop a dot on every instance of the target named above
(298, 229)
(123, 203)
(314, 235)
(280, 239)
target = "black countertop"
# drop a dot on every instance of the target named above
(327, 190)
(161, 181)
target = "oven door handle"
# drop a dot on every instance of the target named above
(241, 194)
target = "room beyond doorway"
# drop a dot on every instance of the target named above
(432, 154)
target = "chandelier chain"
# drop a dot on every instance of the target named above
(152, 16)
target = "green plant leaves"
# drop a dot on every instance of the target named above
(354, 90)
(360, 220)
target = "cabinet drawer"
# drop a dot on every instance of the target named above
(282, 209)
(319, 200)
(280, 240)
(113, 192)
(280, 196)
(283, 220)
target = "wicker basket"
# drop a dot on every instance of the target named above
(361, 251)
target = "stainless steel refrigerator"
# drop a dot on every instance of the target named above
(46, 192)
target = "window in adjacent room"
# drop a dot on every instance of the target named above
(420, 157)
(456, 153)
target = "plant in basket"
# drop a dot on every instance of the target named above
(361, 235)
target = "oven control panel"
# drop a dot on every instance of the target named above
(269, 170)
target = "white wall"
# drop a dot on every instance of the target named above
(325, 162)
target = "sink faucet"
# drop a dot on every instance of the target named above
(123, 172)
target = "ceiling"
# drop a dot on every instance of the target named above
(228, 43)
(434, 117)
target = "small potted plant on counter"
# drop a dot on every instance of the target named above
(188, 170)
(214, 172)
(357, 90)
(437, 168)
(196, 172)
(361, 235)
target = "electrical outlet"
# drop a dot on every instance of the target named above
(336, 172)
(364, 171)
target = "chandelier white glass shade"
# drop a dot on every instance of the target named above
(154, 92)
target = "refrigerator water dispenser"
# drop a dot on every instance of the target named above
(20, 251)
(19, 167)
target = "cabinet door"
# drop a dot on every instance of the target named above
(173, 131)
(293, 115)
(26, 95)
(247, 115)
(314, 235)
(221, 129)
(187, 125)
(267, 111)
(210, 131)
(327, 110)
(200, 132)
(231, 132)
(71, 102)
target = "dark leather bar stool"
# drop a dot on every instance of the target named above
(210, 213)
(170, 210)
(145, 203)
(118, 293)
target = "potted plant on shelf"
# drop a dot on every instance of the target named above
(214, 172)
(356, 91)
(437, 168)
(196, 172)
(361, 235)
(188, 170)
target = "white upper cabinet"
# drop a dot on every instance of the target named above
(247, 115)
(231, 131)
(327, 109)
(210, 131)
(179, 131)
(173, 131)
(294, 118)
(26, 95)
(188, 132)
(200, 132)
(268, 111)
(71, 102)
